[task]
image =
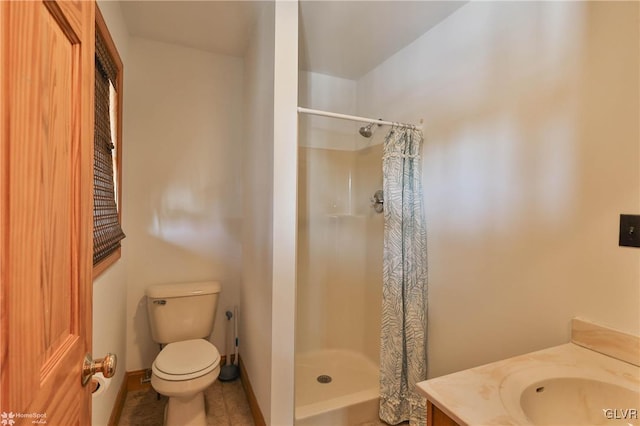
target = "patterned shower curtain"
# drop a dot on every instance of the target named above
(403, 354)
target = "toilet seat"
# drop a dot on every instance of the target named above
(186, 360)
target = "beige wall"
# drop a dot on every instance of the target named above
(532, 151)
(285, 177)
(182, 179)
(109, 333)
(257, 235)
(269, 232)
(110, 289)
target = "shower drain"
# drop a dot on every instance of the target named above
(323, 378)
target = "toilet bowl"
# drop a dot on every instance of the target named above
(181, 318)
(182, 371)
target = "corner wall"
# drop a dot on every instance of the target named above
(255, 326)
(285, 178)
(531, 153)
(110, 289)
(269, 232)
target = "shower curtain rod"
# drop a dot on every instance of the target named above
(356, 118)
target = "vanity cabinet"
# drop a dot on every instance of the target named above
(435, 417)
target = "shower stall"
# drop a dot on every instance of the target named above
(339, 274)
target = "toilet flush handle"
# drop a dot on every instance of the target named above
(106, 366)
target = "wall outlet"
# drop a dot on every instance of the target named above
(629, 230)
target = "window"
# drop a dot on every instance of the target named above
(107, 188)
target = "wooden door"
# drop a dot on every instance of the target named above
(46, 180)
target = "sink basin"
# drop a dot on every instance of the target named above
(579, 401)
(571, 396)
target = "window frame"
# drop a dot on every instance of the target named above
(101, 27)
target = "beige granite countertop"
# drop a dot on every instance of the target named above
(473, 397)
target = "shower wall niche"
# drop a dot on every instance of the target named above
(340, 237)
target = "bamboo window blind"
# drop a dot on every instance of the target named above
(107, 232)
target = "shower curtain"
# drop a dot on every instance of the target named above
(403, 355)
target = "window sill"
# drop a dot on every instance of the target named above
(105, 263)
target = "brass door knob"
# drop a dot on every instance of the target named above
(106, 366)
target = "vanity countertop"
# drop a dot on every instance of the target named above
(472, 397)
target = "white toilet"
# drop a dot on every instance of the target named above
(181, 318)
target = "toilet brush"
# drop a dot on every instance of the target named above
(230, 370)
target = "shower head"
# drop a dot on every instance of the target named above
(366, 130)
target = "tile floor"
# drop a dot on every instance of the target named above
(226, 405)
(381, 423)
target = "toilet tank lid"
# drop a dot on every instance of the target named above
(183, 289)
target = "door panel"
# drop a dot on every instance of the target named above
(57, 74)
(46, 160)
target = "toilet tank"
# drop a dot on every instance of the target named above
(182, 311)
